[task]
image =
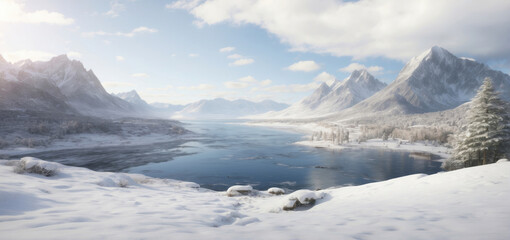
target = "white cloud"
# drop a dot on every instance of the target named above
(115, 8)
(397, 29)
(234, 56)
(193, 55)
(184, 4)
(242, 61)
(357, 66)
(165, 88)
(133, 32)
(140, 75)
(13, 12)
(325, 77)
(292, 88)
(248, 79)
(236, 84)
(119, 58)
(28, 54)
(198, 87)
(227, 49)
(117, 84)
(265, 82)
(304, 66)
(74, 55)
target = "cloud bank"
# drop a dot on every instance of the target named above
(395, 29)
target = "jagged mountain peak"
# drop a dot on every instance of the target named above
(326, 100)
(322, 90)
(361, 75)
(2, 60)
(60, 58)
(130, 94)
(435, 80)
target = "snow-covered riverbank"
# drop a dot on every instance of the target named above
(99, 140)
(394, 144)
(399, 145)
(464, 204)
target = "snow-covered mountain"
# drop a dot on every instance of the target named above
(133, 98)
(435, 80)
(220, 108)
(327, 100)
(58, 84)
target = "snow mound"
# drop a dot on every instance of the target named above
(238, 190)
(276, 191)
(37, 166)
(502, 160)
(117, 180)
(301, 198)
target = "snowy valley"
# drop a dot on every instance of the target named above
(254, 119)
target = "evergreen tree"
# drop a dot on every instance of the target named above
(487, 134)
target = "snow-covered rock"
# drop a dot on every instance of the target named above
(238, 190)
(276, 191)
(302, 198)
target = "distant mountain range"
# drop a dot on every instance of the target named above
(220, 108)
(435, 80)
(62, 85)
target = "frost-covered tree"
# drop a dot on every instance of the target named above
(487, 133)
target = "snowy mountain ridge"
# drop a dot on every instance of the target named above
(59, 84)
(220, 108)
(133, 98)
(327, 100)
(435, 80)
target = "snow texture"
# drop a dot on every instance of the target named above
(470, 203)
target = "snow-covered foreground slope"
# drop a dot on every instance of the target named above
(82, 204)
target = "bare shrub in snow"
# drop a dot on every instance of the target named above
(37, 166)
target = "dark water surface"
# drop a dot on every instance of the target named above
(226, 154)
(262, 157)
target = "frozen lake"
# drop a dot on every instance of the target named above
(229, 154)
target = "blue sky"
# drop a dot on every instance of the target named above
(169, 51)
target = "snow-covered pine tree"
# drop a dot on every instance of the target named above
(487, 134)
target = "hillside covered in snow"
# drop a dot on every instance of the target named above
(469, 203)
(436, 80)
(328, 99)
(59, 85)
